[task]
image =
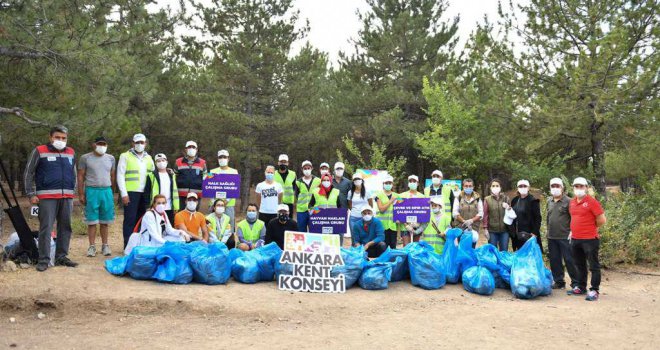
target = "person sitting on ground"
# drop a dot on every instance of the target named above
(219, 224)
(155, 228)
(192, 221)
(276, 227)
(251, 232)
(369, 233)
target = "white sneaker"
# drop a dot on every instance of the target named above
(91, 251)
(106, 250)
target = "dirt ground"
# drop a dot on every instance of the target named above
(87, 308)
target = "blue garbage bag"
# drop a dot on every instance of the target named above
(117, 265)
(266, 257)
(142, 263)
(505, 259)
(449, 261)
(400, 271)
(466, 255)
(528, 274)
(487, 256)
(376, 275)
(234, 254)
(173, 260)
(502, 278)
(210, 264)
(245, 269)
(479, 280)
(547, 283)
(355, 258)
(426, 269)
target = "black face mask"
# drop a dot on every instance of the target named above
(283, 167)
(283, 217)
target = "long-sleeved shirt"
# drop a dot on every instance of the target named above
(528, 214)
(30, 170)
(343, 186)
(456, 208)
(558, 218)
(363, 233)
(121, 173)
(275, 231)
(239, 233)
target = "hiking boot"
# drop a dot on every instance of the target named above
(558, 285)
(575, 291)
(91, 251)
(105, 249)
(592, 295)
(42, 266)
(64, 261)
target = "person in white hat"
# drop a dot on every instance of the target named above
(192, 221)
(495, 206)
(161, 181)
(324, 168)
(342, 184)
(411, 231)
(369, 233)
(269, 195)
(468, 210)
(287, 178)
(132, 169)
(305, 186)
(528, 217)
(440, 221)
(437, 189)
(275, 228)
(587, 215)
(223, 162)
(559, 228)
(385, 202)
(190, 170)
(358, 196)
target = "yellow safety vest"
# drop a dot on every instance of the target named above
(287, 185)
(386, 217)
(251, 234)
(132, 176)
(430, 234)
(323, 202)
(305, 195)
(446, 192)
(155, 190)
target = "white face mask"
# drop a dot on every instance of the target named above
(101, 149)
(436, 181)
(367, 217)
(339, 172)
(555, 191)
(219, 210)
(523, 191)
(191, 205)
(580, 193)
(223, 162)
(59, 144)
(412, 185)
(357, 182)
(191, 152)
(307, 172)
(436, 210)
(160, 208)
(139, 148)
(161, 165)
(326, 184)
(495, 190)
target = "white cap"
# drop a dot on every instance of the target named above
(223, 152)
(523, 182)
(324, 165)
(283, 157)
(307, 162)
(437, 200)
(283, 207)
(556, 181)
(192, 195)
(366, 207)
(388, 178)
(160, 156)
(191, 143)
(580, 181)
(413, 177)
(339, 165)
(357, 176)
(139, 137)
(437, 172)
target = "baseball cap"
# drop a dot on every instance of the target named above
(365, 207)
(160, 156)
(100, 139)
(357, 176)
(192, 195)
(556, 181)
(522, 182)
(223, 152)
(191, 143)
(307, 162)
(388, 178)
(139, 137)
(339, 165)
(283, 157)
(413, 177)
(580, 181)
(437, 172)
(437, 200)
(324, 165)
(283, 207)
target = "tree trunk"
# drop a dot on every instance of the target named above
(598, 153)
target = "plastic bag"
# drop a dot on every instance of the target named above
(211, 264)
(142, 262)
(487, 256)
(376, 275)
(529, 277)
(479, 280)
(426, 269)
(266, 257)
(245, 269)
(466, 257)
(400, 270)
(355, 258)
(173, 264)
(117, 265)
(449, 261)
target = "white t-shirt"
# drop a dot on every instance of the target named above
(268, 193)
(357, 202)
(165, 189)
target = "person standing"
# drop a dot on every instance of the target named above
(342, 184)
(132, 170)
(191, 170)
(96, 174)
(493, 222)
(275, 228)
(358, 196)
(324, 169)
(558, 219)
(437, 189)
(325, 196)
(287, 179)
(50, 182)
(385, 201)
(528, 217)
(269, 195)
(468, 210)
(304, 188)
(163, 182)
(411, 231)
(223, 162)
(587, 215)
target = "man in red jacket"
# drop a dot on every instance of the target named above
(191, 170)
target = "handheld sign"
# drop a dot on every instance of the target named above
(311, 257)
(328, 220)
(34, 211)
(221, 186)
(411, 210)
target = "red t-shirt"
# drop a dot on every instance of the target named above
(583, 217)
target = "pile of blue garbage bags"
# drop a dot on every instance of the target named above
(480, 270)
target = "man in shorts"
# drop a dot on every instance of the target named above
(96, 174)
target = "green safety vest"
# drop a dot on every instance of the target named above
(386, 217)
(323, 202)
(305, 195)
(132, 176)
(231, 202)
(287, 185)
(212, 220)
(446, 192)
(155, 190)
(430, 234)
(251, 234)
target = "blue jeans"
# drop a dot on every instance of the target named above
(303, 220)
(500, 240)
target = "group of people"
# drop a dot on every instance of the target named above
(163, 204)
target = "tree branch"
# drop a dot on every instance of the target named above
(9, 52)
(21, 114)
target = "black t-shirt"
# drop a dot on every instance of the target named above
(275, 231)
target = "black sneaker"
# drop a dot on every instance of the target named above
(41, 267)
(64, 261)
(558, 285)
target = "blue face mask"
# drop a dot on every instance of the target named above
(387, 187)
(469, 190)
(251, 215)
(270, 176)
